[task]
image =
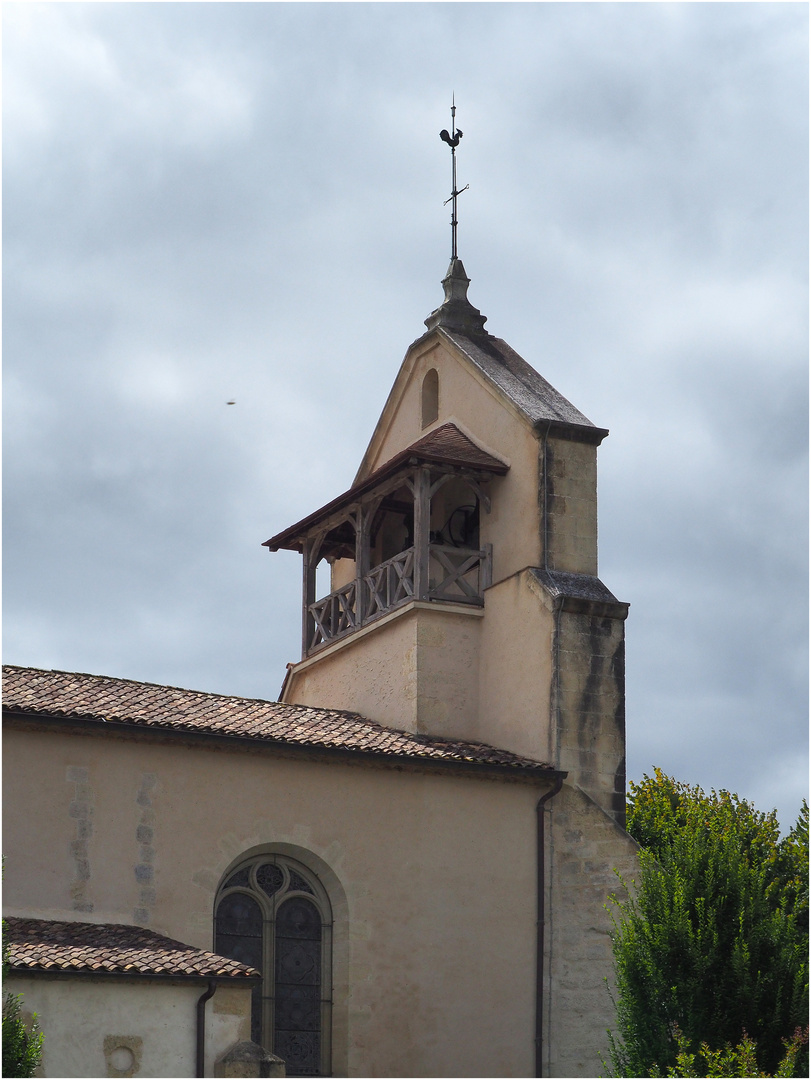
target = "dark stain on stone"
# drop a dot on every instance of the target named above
(81, 810)
(618, 795)
(546, 494)
(144, 869)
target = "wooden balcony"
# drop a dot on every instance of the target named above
(409, 531)
(456, 575)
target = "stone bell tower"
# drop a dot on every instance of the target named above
(464, 597)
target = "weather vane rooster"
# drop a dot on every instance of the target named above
(452, 138)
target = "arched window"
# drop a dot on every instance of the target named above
(273, 913)
(430, 397)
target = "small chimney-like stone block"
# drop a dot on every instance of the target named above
(249, 1059)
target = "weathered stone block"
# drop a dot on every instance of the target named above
(249, 1059)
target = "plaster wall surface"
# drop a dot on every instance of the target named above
(515, 671)
(467, 399)
(514, 674)
(431, 880)
(415, 670)
(585, 849)
(373, 672)
(85, 1020)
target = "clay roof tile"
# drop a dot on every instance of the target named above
(111, 949)
(71, 695)
(445, 445)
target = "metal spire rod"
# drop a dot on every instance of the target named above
(452, 139)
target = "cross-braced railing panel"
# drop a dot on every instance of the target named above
(457, 574)
(389, 584)
(334, 615)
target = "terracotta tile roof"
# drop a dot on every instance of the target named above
(449, 445)
(445, 445)
(35, 692)
(110, 949)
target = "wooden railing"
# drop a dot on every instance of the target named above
(333, 616)
(456, 575)
(388, 585)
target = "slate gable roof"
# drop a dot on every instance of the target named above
(537, 399)
(580, 592)
(46, 946)
(32, 692)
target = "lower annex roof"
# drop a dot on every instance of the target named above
(43, 946)
(32, 692)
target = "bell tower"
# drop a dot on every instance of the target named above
(464, 599)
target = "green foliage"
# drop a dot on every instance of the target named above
(740, 1060)
(715, 942)
(22, 1048)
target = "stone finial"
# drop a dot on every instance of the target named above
(457, 312)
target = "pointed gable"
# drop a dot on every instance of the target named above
(456, 335)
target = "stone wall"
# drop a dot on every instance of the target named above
(586, 852)
(568, 477)
(590, 702)
(414, 669)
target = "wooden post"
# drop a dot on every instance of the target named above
(308, 596)
(362, 516)
(422, 532)
(486, 571)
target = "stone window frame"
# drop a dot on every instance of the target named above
(268, 906)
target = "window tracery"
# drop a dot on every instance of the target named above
(273, 913)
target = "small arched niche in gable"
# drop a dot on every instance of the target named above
(430, 397)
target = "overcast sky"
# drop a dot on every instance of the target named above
(215, 202)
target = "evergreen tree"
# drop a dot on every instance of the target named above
(22, 1048)
(713, 948)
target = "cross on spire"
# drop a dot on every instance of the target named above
(452, 138)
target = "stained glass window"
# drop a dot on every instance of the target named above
(263, 920)
(270, 878)
(298, 985)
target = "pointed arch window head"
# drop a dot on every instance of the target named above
(430, 397)
(274, 914)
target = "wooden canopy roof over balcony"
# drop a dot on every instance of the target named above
(446, 446)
